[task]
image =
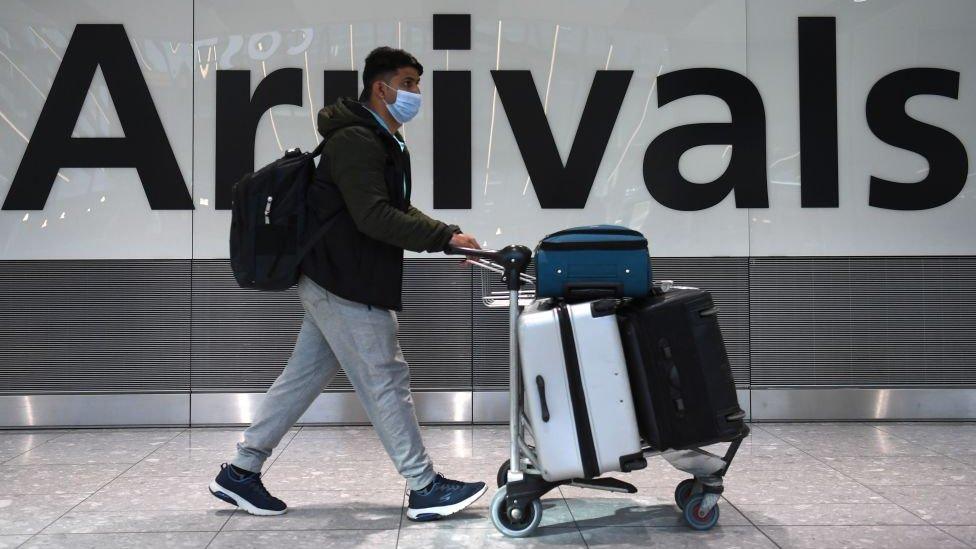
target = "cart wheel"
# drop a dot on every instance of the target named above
(502, 478)
(694, 519)
(682, 493)
(510, 527)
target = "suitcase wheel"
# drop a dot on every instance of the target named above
(693, 516)
(520, 527)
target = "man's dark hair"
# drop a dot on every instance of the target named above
(382, 63)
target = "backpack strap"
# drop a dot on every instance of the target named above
(320, 232)
(317, 235)
(318, 148)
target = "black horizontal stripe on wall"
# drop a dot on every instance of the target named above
(158, 326)
(243, 338)
(94, 326)
(863, 321)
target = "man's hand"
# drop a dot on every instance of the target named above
(462, 240)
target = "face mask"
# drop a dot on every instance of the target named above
(406, 106)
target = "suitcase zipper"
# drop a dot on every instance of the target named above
(619, 245)
(581, 230)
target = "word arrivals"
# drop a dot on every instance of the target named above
(146, 148)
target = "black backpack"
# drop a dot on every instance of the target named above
(269, 219)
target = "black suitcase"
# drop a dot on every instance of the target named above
(679, 371)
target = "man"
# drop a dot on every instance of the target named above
(351, 290)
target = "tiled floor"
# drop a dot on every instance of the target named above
(884, 485)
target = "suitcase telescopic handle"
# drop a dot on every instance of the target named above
(541, 385)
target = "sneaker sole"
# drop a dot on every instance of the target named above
(224, 494)
(434, 513)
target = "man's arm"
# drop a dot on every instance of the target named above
(414, 212)
(357, 162)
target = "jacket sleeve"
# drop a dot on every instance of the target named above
(414, 212)
(357, 163)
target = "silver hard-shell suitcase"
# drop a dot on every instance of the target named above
(578, 398)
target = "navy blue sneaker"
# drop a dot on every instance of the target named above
(246, 492)
(442, 498)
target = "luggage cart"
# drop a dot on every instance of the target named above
(516, 509)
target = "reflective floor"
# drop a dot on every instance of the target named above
(884, 485)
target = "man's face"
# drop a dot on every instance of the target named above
(405, 78)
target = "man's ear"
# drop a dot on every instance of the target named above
(377, 89)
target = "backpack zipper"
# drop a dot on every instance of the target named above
(267, 211)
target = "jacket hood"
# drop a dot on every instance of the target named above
(344, 113)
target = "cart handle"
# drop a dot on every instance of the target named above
(513, 258)
(496, 268)
(450, 249)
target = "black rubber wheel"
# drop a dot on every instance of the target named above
(509, 527)
(682, 492)
(502, 478)
(693, 517)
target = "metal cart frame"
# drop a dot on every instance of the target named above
(516, 510)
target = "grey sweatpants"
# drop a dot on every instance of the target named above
(363, 341)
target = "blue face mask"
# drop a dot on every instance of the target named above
(406, 106)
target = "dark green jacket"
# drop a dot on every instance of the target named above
(361, 176)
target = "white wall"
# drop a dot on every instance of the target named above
(180, 45)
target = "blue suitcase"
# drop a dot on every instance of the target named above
(592, 262)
